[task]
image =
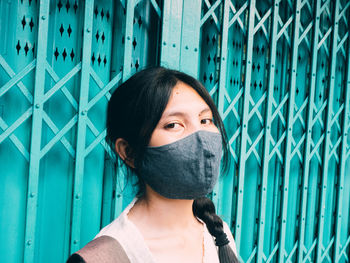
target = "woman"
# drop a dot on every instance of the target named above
(165, 127)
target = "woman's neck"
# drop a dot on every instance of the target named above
(164, 213)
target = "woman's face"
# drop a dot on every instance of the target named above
(185, 113)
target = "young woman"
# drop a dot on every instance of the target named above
(165, 127)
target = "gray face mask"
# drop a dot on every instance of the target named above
(185, 169)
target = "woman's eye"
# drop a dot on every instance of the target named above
(171, 125)
(206, 121)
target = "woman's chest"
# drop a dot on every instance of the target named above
(177, 248)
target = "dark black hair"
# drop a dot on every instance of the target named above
(133, 113)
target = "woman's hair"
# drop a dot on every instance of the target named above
(133, 113)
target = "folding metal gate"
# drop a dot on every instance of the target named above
(279, 72)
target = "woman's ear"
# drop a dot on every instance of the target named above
(123, 149)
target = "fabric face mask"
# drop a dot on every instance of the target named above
(185, 169)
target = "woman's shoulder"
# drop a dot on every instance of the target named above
(101, 249)
(119, 225)
(119, 233)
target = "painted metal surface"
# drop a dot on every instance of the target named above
(279, 72)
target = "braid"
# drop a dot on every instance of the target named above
(204, 209)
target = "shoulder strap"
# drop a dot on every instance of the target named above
(104, 249)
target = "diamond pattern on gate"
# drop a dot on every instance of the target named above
(17, 63)
(233, 92)
(139, 61)
(338, 108)
(280, 100)
(104, 92)
(320, 99)
(210, 31)
(59, 133)
(16, 80)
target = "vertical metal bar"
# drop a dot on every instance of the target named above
(130, 9)
(34, 162)
(171, 34)
(223, 193)
(223, 64)
(81, 132)
(244, 125)
(306, 167)
(267, 129)
(327, 132)
(282, 69)
(289, 131)
(343, 158)
(190, 36)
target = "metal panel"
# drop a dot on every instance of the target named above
(279, 72)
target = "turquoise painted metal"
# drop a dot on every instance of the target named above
(278, 70)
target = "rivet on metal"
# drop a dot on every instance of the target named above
(37, 105)
(174, 45)
(88, 30)
(164, 43)
(32, 194)
(75, 241)
(29, 242)
(77, 196)
(186, 47)
(43, 17)
(195, 50)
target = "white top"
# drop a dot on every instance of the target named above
(132, 241)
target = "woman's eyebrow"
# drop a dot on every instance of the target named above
(182, 113)
(174, 113)
(205, 110)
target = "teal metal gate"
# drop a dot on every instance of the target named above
(279, 72)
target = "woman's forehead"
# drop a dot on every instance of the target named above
(183, 99)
